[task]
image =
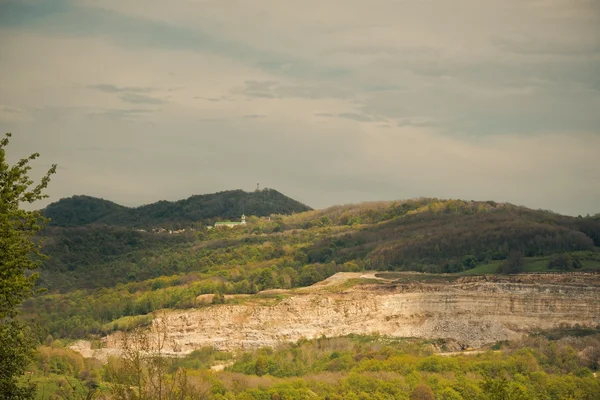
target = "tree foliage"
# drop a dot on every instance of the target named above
(340, 368)
(143, 372)
(434, 235)
(564, 262)
(513, 264)
(16, 352)
(195, 210)
(18, 252)
(422, 392)
(104, 276)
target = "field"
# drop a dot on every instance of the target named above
(533, 264)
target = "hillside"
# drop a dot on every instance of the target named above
(99, 274)
(449, 236)
(295, 283)
(366, 304)
(199, 209)
(80, 210)
(427, 235)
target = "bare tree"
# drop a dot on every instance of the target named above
(77, 390)
(143, 370)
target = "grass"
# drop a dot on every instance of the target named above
(351, 283)
(483, 269)
(533, 264)
(128, 323)
(590, 263)
(406, 277)
(268, 299)
(568, 331)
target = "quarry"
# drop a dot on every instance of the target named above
(470, 311)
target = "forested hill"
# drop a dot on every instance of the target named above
(84, 210)
(428, 235)
(142, 271)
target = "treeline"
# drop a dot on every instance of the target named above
(352, 367)
(353, 214)
(94, 257)
(99, 274)
(195, 210)
(433, 235)
(102, 256)
(425, 234)
(81, 313)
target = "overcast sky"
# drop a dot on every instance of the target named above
(327, 101)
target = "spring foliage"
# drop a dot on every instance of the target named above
(352, 367)
(18, 252)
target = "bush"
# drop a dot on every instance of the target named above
(514, 264)
(218, 298)
(563, 262)
(422, 392)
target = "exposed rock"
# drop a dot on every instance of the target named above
(473, 311)
(84, 347)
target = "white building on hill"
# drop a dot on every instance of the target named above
(231, 224)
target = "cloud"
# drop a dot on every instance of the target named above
(135, 98)
(275, 89)
(127, 114)
(384, 50)
(527, 44)
(8, 109)
(417, 122)
(355, 117)
(259, 89)
(106, 149)
(358, 101)
(129, 94)
(105, 87)
(347, 115)
(208, 98)
(66, 17)
(444, 162)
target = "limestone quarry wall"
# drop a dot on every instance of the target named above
(473, 312)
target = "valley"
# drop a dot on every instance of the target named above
(375, 300)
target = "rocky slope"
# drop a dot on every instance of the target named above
(473, 311)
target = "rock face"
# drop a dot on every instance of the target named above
(473, 311)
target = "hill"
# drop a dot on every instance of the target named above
(80, 210)
(98, 273)
(199, 209)
(427, 235)
(431, 235)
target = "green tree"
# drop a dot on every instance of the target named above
(563, 262)
(309, 275)
(19, 255)
(513, 264)
(422, 392)
(469, 262)
(218, 298)
(449, 394)
(266, 280)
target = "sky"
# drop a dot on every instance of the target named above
(328, 101)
